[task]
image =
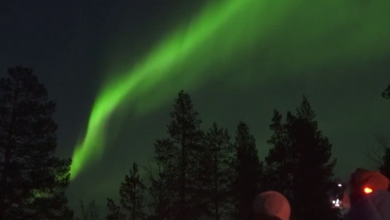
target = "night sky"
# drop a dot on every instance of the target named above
(74, 45)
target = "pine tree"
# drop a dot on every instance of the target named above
(32, 179)
(217, 170)
(132, 194)
(300, 163)
(179, 157)
(114, 211)
(386, 93)
(248, 171)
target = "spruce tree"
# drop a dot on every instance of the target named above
(32, 179)
(89, 211)
(132, 194)
(217, 171)
(248, 170)
(300, 163)
(160, 191)
(385, 163)
(114, 211)
(179, 157)
(277, 171)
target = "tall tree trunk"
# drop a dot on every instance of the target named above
(7, 160)
(183, 179)
(216, 194)
(134, 214)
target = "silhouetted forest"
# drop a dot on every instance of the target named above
(197, 173)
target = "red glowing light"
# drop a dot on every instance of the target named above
(367, 190)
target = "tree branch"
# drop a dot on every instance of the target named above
(375, 153)
(386, 93)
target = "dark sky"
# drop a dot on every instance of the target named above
(68, 43)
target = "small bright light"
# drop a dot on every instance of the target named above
(367, 190)
(340, 185)
(336, 203)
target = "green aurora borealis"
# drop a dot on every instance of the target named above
(307, 34)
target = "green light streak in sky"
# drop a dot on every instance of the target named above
(302, 32)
